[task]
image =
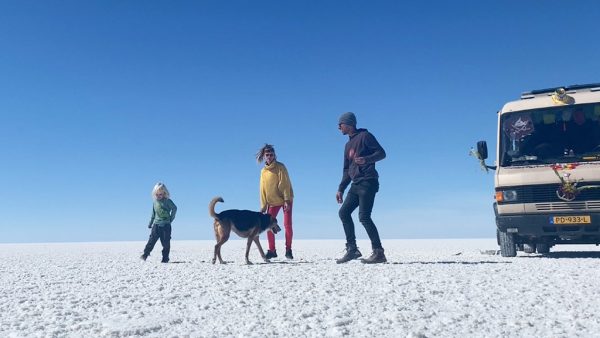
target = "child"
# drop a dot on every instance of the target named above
(276, 193)
(163, 214)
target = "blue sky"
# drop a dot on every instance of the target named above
(101, 99)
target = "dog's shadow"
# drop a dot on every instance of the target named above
(285, 262)
(259, 263)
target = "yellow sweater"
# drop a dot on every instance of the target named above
(275, 185)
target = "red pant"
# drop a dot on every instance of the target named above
(287, 223)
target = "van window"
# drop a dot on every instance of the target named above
(551, 135)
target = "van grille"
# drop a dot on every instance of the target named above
(545, 195)
(566, 206)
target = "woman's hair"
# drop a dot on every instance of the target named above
(260, 155)
(160, 187)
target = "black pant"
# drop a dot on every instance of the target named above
(362, 195)
(164, 233)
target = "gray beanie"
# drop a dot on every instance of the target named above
(348, 118)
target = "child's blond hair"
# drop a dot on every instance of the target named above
(158, 188)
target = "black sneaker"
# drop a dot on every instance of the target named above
(288, 254)
(271, 254)
(351, 253)
(376, 257)
(143, 257)
(165, 260)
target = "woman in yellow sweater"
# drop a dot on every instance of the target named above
(276, 192)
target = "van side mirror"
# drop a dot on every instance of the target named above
(481, 154)
(482, 149)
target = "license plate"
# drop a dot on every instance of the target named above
(570, 220)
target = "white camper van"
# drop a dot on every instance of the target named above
(547, 179)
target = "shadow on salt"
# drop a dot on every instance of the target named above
(452, 262)
(567, 254)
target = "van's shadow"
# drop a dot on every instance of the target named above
(452, 262)
(567, 254)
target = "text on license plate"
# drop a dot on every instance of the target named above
(570, 220)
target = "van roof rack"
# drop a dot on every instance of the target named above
(530, 94)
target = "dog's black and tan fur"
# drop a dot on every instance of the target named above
(245, 223)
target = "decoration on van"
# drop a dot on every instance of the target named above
(563, 166)
(568, 189)
(519, 126)
(560, 97)
(478, 156)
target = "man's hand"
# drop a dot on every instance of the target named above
(286, 205)
(149, 226)
(339, 197)
(360, 160)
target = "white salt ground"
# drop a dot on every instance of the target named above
(429, 288)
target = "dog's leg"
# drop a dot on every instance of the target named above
(218, 249)
(222, 232)
(248, 244)
(221, 261)
(214, 260)
(260, 249)
(218, 235)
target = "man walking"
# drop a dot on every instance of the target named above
(361, 152)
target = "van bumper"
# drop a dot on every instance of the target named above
(541, 225)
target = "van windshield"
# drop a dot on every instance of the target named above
(551, 135)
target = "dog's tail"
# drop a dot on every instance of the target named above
(211, 207)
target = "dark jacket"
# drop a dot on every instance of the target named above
(361, 144)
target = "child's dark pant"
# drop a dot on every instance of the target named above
(164, 234)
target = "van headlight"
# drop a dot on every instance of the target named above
(509, 195)
(506, 196)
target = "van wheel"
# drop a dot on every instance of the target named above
(507, 244)
(543, 248)
(529, 248)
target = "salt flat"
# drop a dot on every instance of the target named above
(429, 288)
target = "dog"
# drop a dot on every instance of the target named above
(245, 223)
